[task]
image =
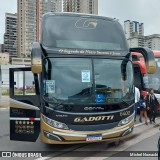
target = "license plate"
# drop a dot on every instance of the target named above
(94, 138)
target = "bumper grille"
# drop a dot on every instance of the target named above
(98, 127)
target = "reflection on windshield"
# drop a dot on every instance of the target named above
(75, 81)
(114, 78)
(153, 80)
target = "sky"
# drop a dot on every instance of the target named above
(143, 11)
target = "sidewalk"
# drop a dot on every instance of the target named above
(137, 119)
(4, 102)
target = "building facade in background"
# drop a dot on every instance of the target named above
(80, 6)
(153, 41)
(29, 14)
(31, 11)
(4, 58)
(132, 28)
(1, 48)
(10, 36)
(50, 5)
(21, 61)
(26, 26)
(136, 41)
(134, 32)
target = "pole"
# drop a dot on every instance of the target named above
(0, 82)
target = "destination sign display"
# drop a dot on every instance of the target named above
(88, 52)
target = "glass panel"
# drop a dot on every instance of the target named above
(153, 80)
(67, 79)
(24, 83)
(113, 79)
(82, 33)
(18, 83)
(29, 83)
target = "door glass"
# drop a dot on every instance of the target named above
(18, 83)
(29, 83)
(24, 83)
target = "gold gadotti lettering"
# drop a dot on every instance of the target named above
(91, 119)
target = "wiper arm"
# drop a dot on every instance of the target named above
(55, 100)
(125, 102)
(62, 102)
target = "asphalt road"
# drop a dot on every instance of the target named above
(144, 147)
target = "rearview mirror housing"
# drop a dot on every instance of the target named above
(36, 58)
(148, 57)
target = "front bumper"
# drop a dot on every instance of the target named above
(52, 135)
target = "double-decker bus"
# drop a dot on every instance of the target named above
(143, 80)
(153, 80)
(82, 86)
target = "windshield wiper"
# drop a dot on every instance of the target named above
(125, 102)
(71, 102)
(59, 104)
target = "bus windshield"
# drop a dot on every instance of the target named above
(82, 33)
(88, 81)
(153, 80)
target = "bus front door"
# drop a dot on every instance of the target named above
(24, 105)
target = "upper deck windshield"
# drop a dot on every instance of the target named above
(153, 80)
(87, 81)
(75, 32)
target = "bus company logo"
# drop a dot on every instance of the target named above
(86, 23)
(93, 108)
(92, 119)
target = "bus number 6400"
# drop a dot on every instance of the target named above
(125, 113)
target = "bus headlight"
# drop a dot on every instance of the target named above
(126, 120)
(54, 123)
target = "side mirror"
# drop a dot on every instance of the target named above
(36, 58)
(148, 57)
